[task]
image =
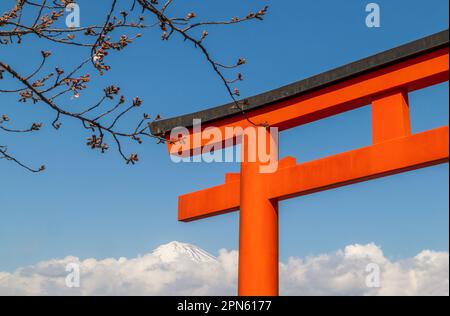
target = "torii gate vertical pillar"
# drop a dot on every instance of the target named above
(258, 227)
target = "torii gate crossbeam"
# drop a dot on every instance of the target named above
(382, 81)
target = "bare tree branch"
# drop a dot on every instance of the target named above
(52, 87)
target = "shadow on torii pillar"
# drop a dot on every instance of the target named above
(382, 81)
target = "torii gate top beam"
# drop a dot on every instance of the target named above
(228, 114)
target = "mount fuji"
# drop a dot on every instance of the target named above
(175, 250)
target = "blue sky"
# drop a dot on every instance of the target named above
(92, 205)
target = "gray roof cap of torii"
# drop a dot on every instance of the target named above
(429, 43)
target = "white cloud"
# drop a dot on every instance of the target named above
(344, 273)
(181, 269)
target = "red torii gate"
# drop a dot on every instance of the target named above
(382, 81)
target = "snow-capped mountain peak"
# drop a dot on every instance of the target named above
(174, 250)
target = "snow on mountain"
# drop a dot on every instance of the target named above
(175, 250)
